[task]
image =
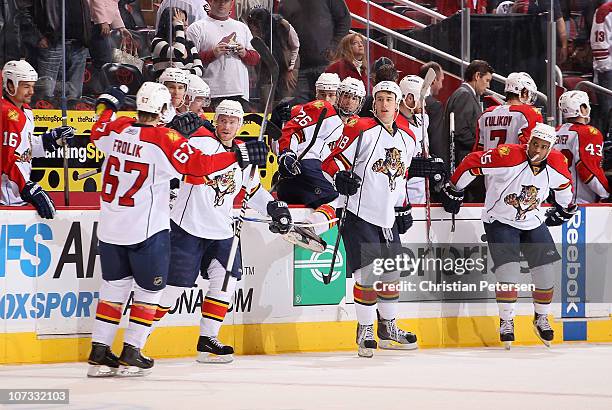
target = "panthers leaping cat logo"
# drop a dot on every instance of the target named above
(223, 184)
(392, 166)
(524, 202)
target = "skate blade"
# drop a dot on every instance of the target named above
(507, 345)
(205, 357)
(365, 352)
(546, 343)
(393, 345)
(303, 242)
(100, 370)
(132, 371)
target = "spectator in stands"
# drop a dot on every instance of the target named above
(105, 17)
(543, 6)
(601, 44)
(450, 7)
(434, 108)
(47, 19)
(465, 103)
(383, 69)
(349, 60)
(195, 9)
(285, 49)
(320, 24)
(225, 47)
(182, 53)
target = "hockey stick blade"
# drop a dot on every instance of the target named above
(88, 174)
(427, 82)
(327, 277)
(269, 61)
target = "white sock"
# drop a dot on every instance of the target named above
(112, 297)
(216, 302)
(142, 316)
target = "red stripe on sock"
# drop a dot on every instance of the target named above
(214, 308)
(542, 296)
(364, 295)
(109, 310)
(143, 312)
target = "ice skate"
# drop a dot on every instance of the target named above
(211, 350)
(365, 340)
(393, 338)
(542, 329)
(305, 237)
(102, 361)
(133, 363)
(506, 332)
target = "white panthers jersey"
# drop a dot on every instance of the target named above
(204, 206)
(299, 130)
(19, 146)
(516, 189)
(382, 164)
(416, 186)
(505, 124)
(582, 145)
(139, 163)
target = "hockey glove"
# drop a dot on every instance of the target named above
(288, 164)
(403, 218)
(251, 153)
(557, 215)
(208, 125)
(347, 182)
(32, 193)
(281, 217)
(452, 198)
(433, 168)
(282, 112)
(186, 123)
(54, 139)
(112, 98)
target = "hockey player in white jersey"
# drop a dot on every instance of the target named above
(177, 83)
(411, 114)
(582, 145)
(134, 240)
(301, 153)
(198, 95)
(202, 232)
(378, 211)
(519, 179)
(512, 122)
(20, 144)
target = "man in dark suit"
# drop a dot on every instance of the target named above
(465, 103)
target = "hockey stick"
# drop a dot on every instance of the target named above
(327, 278)
(310, 144)
(451, 121)
(297, 223)
(89, 173)
(429, 79)
(64, 108)
(267, 58)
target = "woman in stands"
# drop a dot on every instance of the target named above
(170, 48)
(349, 60)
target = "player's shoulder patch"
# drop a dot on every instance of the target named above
(503, 150)
(592, 130)
(559, 162)
(352, 122)
(12, 115)
(173, 135)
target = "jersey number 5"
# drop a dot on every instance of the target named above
(111, 182)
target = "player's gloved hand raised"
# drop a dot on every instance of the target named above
(32, 193)
(557, 215)
(433, 168)
(347, 182)
(281, 217)
(208, 125)
(282, 111)
(54, 139)
(251, 153)
(112, 98)
(186, 123)
(288, 164)
(452, 198)
(403, 218)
